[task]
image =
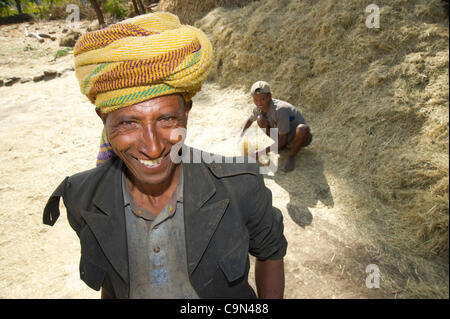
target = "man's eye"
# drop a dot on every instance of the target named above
(168, 118)
(126, 123)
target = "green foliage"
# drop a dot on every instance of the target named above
(36, 8)
(7, 8)
(32, 8)
(4, 3)
(63, 52)
(56, 9)
(116, 8)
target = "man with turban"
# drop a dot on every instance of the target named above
(150, 226)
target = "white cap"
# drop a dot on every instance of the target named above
(263, 87)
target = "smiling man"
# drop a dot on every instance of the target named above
(151, 227)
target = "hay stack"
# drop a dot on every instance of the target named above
(190, 11)
(377, 99)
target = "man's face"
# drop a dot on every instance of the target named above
(141, 136)
(262, 101)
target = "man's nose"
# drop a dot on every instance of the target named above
(150, 142)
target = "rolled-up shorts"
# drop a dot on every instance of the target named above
(291, 136)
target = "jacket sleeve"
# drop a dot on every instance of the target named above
(51, 210)
(265, 225)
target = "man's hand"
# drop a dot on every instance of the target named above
(261, 152)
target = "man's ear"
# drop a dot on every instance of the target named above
(187, 107)
(101, 115)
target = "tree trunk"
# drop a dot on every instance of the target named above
(136, 8)
(148, 4)
(141, 6)
(98, 12)
(19, 6)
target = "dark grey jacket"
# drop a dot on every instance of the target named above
(228, 214)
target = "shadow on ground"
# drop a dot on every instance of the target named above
(306, 185)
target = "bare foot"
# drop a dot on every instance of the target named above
(290, 164)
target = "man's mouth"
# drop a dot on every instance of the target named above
(151, 163)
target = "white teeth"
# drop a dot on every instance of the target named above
(150, 162)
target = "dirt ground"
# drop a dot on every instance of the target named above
(49, 130)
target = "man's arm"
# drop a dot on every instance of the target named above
(282, 141)
(104, 294)
(269, 277)
(246, 126)
(267, 242)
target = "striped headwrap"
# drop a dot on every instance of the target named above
(139, 59)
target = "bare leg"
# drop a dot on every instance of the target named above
(300, 139)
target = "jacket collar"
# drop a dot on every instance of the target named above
(202, 213)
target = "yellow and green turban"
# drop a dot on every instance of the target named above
(139, 59)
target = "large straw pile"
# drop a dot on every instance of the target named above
(190, 11)
(376, 98)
